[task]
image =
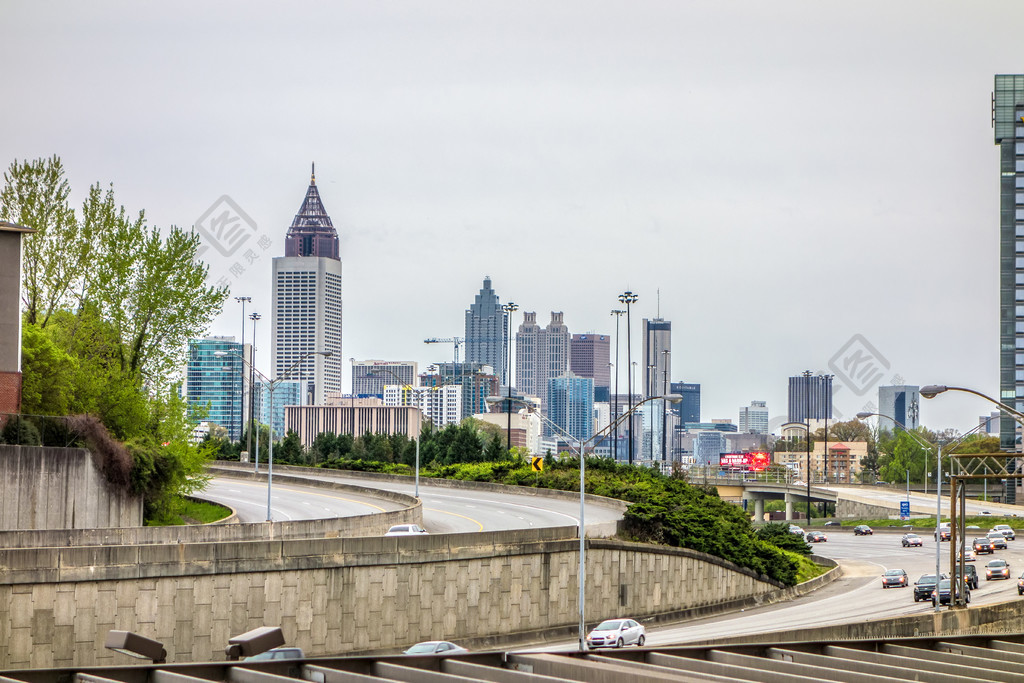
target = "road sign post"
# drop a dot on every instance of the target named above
(904, 509)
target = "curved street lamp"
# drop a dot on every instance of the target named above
(414, 390)
(671, 398)
(271, 385)
(933, 390)
(509, 308)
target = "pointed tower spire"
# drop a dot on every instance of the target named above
(312, 233)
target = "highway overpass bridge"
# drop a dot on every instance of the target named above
(753, 493)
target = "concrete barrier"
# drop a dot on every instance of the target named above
(341, 527)
(334, 596)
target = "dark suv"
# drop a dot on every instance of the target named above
(983, 545)
(924, 586)
(972, 576)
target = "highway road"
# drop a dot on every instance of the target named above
(921, 501)
(445, 510)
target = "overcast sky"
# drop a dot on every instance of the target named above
(801, 181)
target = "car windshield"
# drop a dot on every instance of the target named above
(912, 536)
(1002, 527)
(944, 584)
(612, 625)
(893, 572)
(927, 578)
(997, 563)
(421, 648)
(981, 540)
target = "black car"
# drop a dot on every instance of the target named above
(983, 545)
(998, 540)
(924, 586)
(862, 530)
(972, 576)
(895, 578)
(940, 596)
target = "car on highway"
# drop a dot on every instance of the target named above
(406, 530)
(998, 540)
(1006, 530)
(1020, 585)
(924, 587)
(278, 653)
(997, 569)
(969, 555)
(794, 529)
(862, 530)
(940, 596)
(616, 633)
(895, 578)
(985, 512)
(910, 540)
(983, 544)
(833, 522)
(943, 533)
(972, 576)
(435, 647)
(816, 537)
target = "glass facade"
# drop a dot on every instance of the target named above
(1007, 110)
(570, 404)
(214, 381)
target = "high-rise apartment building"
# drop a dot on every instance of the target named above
(570, 402)
(810, 393)
(543, 353)
(441, 405)
(687, 410)
(306, 300)
(754, 418)
(477, 380)
(901, 404)
(1008, 124)
(657, 365)
(486, 338)
(589, 356)
(214, 382)
(369, 377)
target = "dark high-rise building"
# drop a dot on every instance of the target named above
(589, 356)
(687, 410)
(810, 393)
(485, 331)
(306, 300)
(657, 367)
(1008, 122)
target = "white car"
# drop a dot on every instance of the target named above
(1006, 531)
(435, 647)
(616, 633)
(406, 530)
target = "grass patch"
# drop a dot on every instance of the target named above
(190, 511)
(806, 569)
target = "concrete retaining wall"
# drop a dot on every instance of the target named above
(60, 488)
(339, 595)
(852, 509)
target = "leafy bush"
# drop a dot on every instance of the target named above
(779, 535)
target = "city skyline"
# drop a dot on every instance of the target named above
(694, 155)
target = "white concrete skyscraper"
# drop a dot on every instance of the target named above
(306, 307)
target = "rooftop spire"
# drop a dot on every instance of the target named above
(312, 233)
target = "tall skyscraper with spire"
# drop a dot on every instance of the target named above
(485, 331)
(306, 305)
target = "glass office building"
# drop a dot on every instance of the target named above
(571, 405)
(214, 379)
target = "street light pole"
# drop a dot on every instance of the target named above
(418, 397)
(271, 385)
(615, 438)
(629, 298)
(241, 396)
(509, 308)
(582, 580)
(254, 317)
(807, 389)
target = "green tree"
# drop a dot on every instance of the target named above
(290, 449)
(495, 449)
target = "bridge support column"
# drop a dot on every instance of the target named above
(759, 510)
(789, 508)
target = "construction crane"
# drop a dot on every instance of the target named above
(448, 340)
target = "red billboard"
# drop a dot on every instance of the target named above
(748, 462)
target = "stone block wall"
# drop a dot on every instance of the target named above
(60, 488)
(334, 596)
